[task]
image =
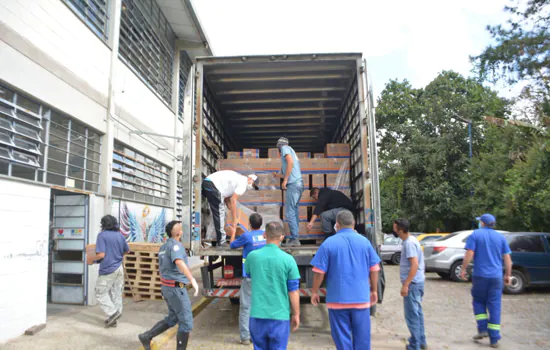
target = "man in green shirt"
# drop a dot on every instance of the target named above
(275, 282)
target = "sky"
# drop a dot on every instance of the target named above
(401, 39)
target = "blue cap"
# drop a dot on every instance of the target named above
(487, 219)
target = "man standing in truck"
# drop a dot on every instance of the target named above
(329, 204)
(249, 241)
(350, 265)
(221, 188)
(294, 186)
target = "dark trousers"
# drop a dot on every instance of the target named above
(217, 208)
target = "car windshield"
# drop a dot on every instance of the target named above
(391, 240)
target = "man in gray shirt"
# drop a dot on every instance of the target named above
(411, 270)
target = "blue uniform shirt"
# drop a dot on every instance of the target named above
(169, 252)
(489, 246)
(411, 249)
(346, 258)
(250, 241)
(296, 173)
(114, 245)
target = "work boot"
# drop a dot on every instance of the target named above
(223, 245)
(481, 335)
(182, 340)
(145, 338)
(245, 342)
(293, 242)
(495, 345)
(114, 317)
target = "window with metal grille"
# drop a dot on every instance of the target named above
(93, 12)
(139, 178)
(185, 67)
(179, 197)
(147, 44)
(36, 140)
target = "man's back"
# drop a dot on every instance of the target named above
(249, 241)
(489, 246)
(346, 258)
(270, 269)
(332, 199)
(296, 173)
(113, 244)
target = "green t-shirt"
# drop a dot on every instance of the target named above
(270, 269)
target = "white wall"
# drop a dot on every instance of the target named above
(24, 214)
(94, 227)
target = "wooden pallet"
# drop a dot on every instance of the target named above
(142, 272)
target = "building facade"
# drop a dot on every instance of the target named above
(91, 102)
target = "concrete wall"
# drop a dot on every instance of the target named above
(97, 211)
(24, 214)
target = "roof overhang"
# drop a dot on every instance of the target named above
(186, 25)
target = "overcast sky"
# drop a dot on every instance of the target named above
(400, 39)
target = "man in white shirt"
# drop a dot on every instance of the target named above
(223, 188)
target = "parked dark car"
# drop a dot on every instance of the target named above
(530, 260)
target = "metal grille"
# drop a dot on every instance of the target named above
(179, 197)
(185, 67)
(37, 140)
(93, 12)
(147, 44)
(139, 178)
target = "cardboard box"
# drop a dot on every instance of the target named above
(273, 153)
(261, 198)
(313, 166)
(338, 180)
(234, 155)
(271, 165)
(242, 220)
(269, 182)
(303, 155)
(318, 155)
(317, 229)
(337, 164)
(317, 180)
(337, 150)
(247, 166)
(251, 153)
(305, 178)
(302, 212)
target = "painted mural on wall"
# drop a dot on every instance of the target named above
(141, 222)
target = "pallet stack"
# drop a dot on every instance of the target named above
(142, 276)
(329, 169)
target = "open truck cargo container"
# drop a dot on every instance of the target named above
(232, 103)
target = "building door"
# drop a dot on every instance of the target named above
(70, 234)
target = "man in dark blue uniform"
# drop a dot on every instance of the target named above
(488, 248)
(174, 275)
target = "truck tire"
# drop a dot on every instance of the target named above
(235, 301)
(396, 258)
(518, 282)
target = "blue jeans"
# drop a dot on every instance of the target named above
(350, 328)
(269, 334)
(414, 316)
(487, 296)
(292, 199)
(244, 308)
(179, 308)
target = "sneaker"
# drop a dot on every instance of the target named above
(223, 245)
(292, 243)
(495, 345)
(112, 319)
(114, 324)
(481, 335)
(245, 342)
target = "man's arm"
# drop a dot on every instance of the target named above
(320, 207)
(374, 286)
(239, 242)
(412, 271)
(232, 204)
(289, 165)
(294, 297)
(184, 269)
(467, 259)
(507, 268)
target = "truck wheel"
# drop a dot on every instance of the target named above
(396, 258)
(518, 282)
(234, 301)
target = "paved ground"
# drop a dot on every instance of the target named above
(449, 323)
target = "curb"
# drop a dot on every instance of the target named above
(160, 341)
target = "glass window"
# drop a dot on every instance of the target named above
(4, 166)
(94, 13)
(391, 240)
(525, 243)
(22, 171)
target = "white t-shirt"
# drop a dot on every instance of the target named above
(229, 182)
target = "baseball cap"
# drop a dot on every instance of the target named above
(282, 141)
(487, 219)
(255, 179)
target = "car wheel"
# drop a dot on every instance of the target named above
(518, 282)
(456, 269)
(444, 275)
(234, 301)
(396, 258)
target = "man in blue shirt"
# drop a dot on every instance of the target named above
(349, 263)
(249, 241)
(488, 248)
(411, 271)
(174, 276)
(294, 186)
(109, 252)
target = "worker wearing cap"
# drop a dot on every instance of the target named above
(174, 276)
(223, 188)
(488, 248)
(294, 186)
(350, 265)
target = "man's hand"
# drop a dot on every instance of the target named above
(195, 287)
(295, 322)
(463, 275)
(507, 280)
(310, 225)
(283, 186)
(373, 298)
(315, 299)
(404, 290)
(231, 230)
(277, 175)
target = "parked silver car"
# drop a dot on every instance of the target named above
(391, 249)
(445, 255)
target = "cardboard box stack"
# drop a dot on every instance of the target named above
(330, 169)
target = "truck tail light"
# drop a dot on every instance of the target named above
(439, 249)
